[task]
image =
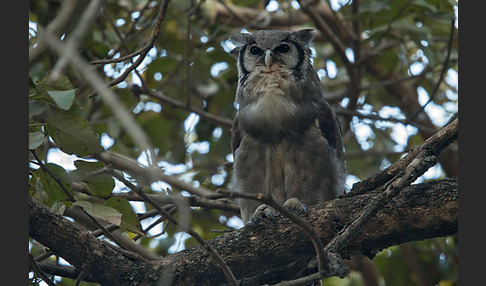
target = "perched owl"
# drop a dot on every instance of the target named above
(286, 140)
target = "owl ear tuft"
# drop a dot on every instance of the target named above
(239, 40)
(304, 36)
(234, 52)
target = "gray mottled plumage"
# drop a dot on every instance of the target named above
(286, 140)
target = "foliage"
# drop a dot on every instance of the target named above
(402, 59)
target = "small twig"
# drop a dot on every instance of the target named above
(122, 40)
(392, 20)
(227, 271)
(194, 201)
(150, 174)
(440, 140)
(120, 59)
(146, 48)
(39, 271)
(441, 76)
(187, 48)
(376, 117)
(115, 28)
(215, 119)
(80, 277)
(373, 153)
(301, 281)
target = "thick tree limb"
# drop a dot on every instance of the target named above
(107, 265)
(267, 253)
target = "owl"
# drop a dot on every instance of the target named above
(286, 140)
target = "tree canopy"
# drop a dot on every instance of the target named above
(130, 112)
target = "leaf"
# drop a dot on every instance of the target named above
(129, 219)
(35, 139)
(99, 185)
(61, 84)
(60, 94)
(59, 207)
(103, 212)
(47, 189)
(35, 108)
(424, 5)
(72, 133)
(373, 7)
(63, 98)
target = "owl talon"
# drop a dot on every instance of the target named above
(270, 215)
(295, 206)
(262, 212)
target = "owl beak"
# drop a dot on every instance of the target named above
(268, 58)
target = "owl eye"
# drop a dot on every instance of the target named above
(256, 50)
(283, 48)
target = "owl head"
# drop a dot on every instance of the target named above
(271, 49)
(278, 90)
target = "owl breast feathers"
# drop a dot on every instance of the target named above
(286, 139)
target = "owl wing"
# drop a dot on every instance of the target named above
(235, 135)
(330, 128)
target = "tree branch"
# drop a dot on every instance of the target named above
(214, 119)
(55, 28)
(418, 212)
(106, 264)
(434, 145)
(149, 174)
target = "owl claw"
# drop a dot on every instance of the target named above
(263, 212)
(304, 208)
(296, 206)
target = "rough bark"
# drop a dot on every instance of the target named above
(107, 265)
(267, 253)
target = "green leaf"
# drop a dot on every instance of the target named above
(46, 188)
(62, 84)
(99, 185)
(424, 5)
(103, 212)
(373, 7)
(35, 139)
(59, 207)
(35, 108)
(72, 133)
(129, 220)
(63, 98)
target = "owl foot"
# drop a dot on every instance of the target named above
(262, 212)
(295, 206)
(265, 211)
